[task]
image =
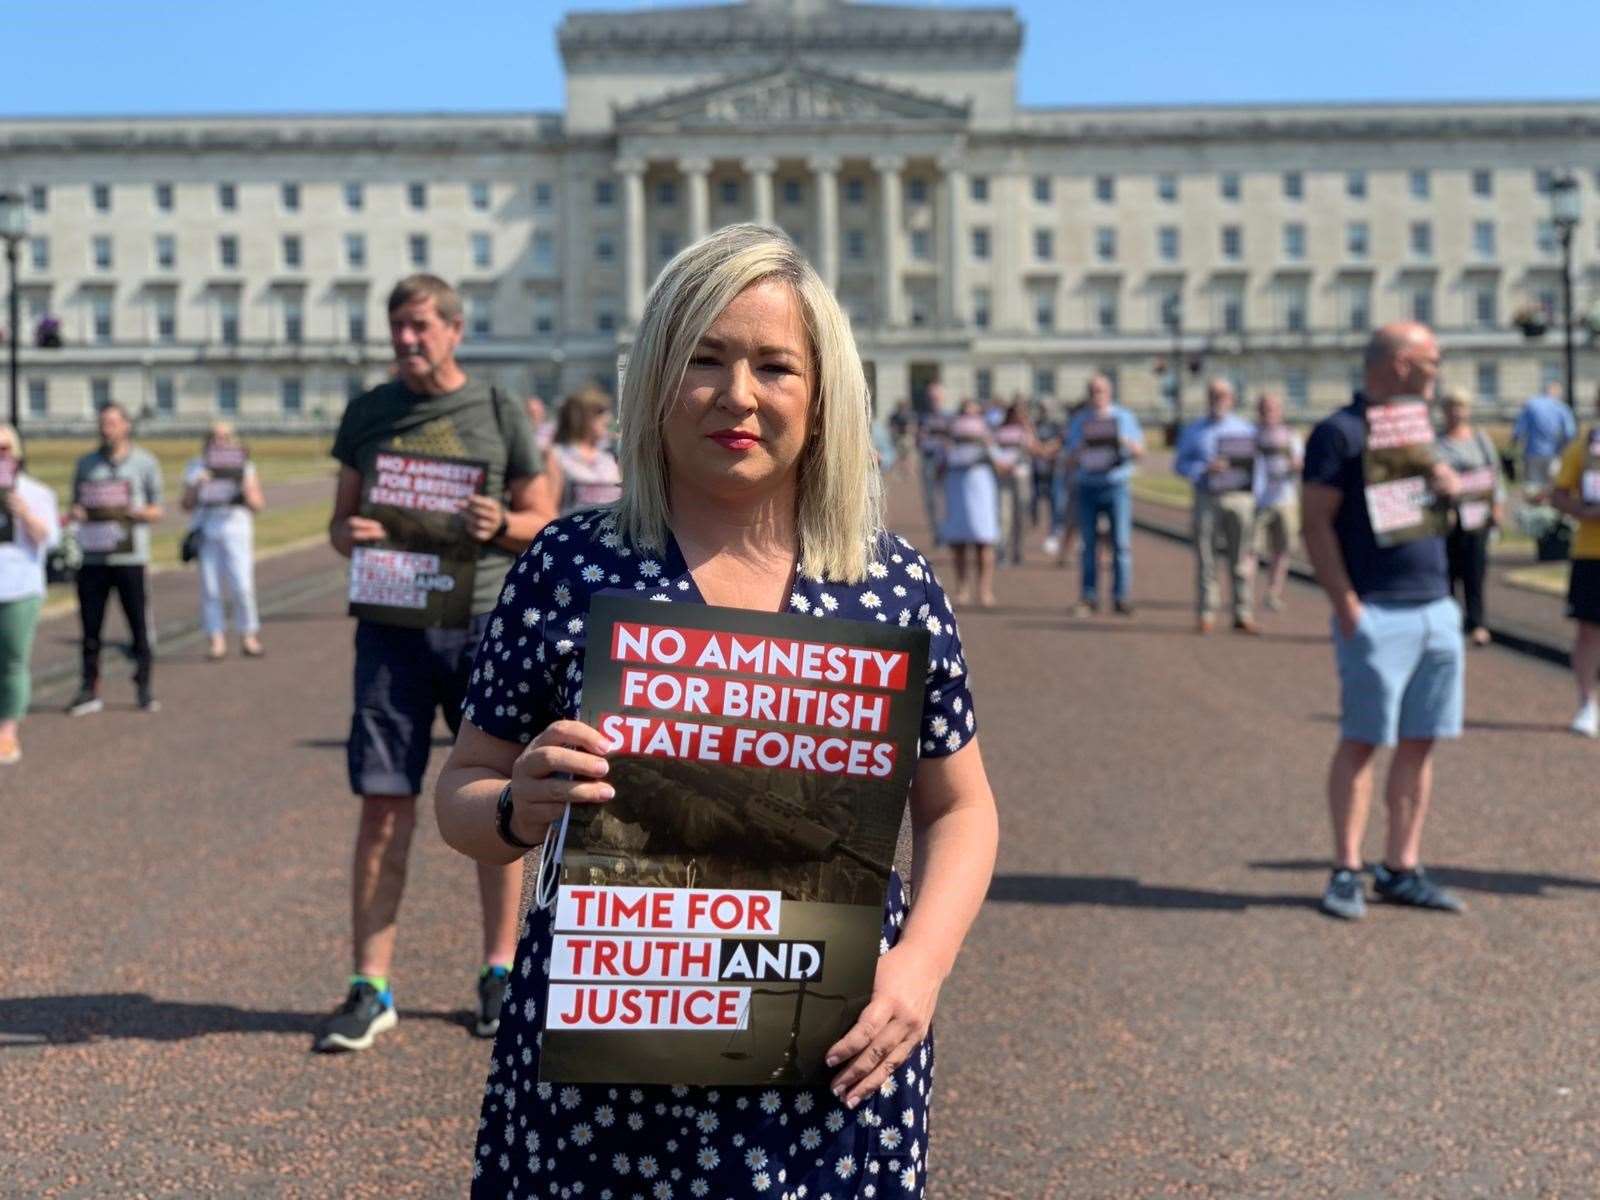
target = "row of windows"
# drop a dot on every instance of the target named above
(1291, 184)
(291, 251)
(164, 394)
(290, 196)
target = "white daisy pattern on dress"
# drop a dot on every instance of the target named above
(541, 1139)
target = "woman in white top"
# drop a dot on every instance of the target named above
(29, 526)
(583, 472)
(222, 491)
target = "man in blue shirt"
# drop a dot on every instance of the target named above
(1216, 454)
(1544, 427)
(1103, 444)
(1396, 632)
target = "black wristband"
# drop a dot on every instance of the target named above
(505, 524)
(502, 821)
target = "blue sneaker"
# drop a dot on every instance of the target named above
(1345, 897)
(1414, 889)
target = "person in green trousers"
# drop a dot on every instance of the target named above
(29, 526)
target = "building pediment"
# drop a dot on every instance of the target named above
(789, 96)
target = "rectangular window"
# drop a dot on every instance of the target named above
(1545, 238)
(1420, 184)
(978, 189)
(417, 196)
(1355, 239)
(1167, 243)
(1294, 241)
(1228, 185)
(855, 245)
(166, 395)
(1487, 378)
(164, 197)
(1041, 189)
(291, 251)
(544, 249)
(355, 250)
(1422, 305)
(1421, 239)
(1357, 307)
(1232, 243)
(1105, 244)
(291, 397)
(544, 315)
(605, 321)
(1105, 188)
(1044, 381)
(99, 392)
(39, 199)
(793, 192)
(855, 191)
(101, 246)
(543, 196)
(605, 250)
(355, 319)
(100, 315)
(980, 242)
(289, 196)
(227, 197)
(983, 383)
(166, 251)
(1294, 185)
(480, 315)
(228, 252)
(228, 319)
(921, 245)
(666, 244)
(1044, 311)
(355, 197)
(101, 193)
(38, 398)
(478, 195)
(166, 317)
(729, 191)
(981, 302)
(1044, 245)
(39, 253)
(1232, 313)
(1294, 310)
(1167, 187)
(605, 193)
(1485, 305)
(1483, 239)
(1483, 183)
(667, 193)
(1355, 185)
(294, 320)
(228, 395)
(1295, 388)
(916, 190)
(1105, 310)
(417, 250)
(482, 250)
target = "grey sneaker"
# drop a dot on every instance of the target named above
(1414, 889)
(1345, 897)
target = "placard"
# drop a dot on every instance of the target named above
(718, 922)
(1275, 444)
(1399, 458)
(1238, 453)
(420, 574)
(108, 528)
(9, 469)
(1100, 447)
(1590, 481)
(226, 465)
(1475, 500)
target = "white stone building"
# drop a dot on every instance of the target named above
(239, 264)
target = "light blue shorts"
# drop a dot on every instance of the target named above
(1400, 673)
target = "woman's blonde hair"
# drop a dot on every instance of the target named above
(839, 504)
(10, 436)
(1456, 395)
(219, 431)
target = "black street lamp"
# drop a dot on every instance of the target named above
(13, 227)
(1565, 210)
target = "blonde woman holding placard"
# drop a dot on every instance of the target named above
(747, 483)
(223, 492)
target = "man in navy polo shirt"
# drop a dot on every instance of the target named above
(1396, 631)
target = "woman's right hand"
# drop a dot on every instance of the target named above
(565, 764)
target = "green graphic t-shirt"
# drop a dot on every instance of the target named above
(473, 422)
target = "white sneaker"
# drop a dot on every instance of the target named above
(1052, 546)
(1587, 722)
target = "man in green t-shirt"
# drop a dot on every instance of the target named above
(436, 497)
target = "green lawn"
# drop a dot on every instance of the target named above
(277, 459)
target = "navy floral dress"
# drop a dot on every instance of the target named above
(656, 1142)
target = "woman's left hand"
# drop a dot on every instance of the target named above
(904, 994)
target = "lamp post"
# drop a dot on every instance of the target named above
(1172, 315)
(13, 227)
(1564, 213)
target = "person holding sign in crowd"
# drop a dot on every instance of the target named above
(1103, 444)
(1375, 502)
(582, 471)
(971, 526)
(1479, 507)
(29, 526)
(1217, 455)
(1281, 454)
(116, 493)
(223, 492)
(1577, 493)
(1013, 459)
(746, 485)
(434, 499)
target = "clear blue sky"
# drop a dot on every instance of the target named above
(118, 56)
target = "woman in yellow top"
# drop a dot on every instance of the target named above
(1577, 493)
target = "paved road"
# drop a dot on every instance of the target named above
(1149, 1006)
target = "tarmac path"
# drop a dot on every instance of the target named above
(1149, 1005)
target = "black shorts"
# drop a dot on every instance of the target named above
(403, 677)
(1583, 592)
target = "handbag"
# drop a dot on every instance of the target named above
(189, 548)
(61, 561)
